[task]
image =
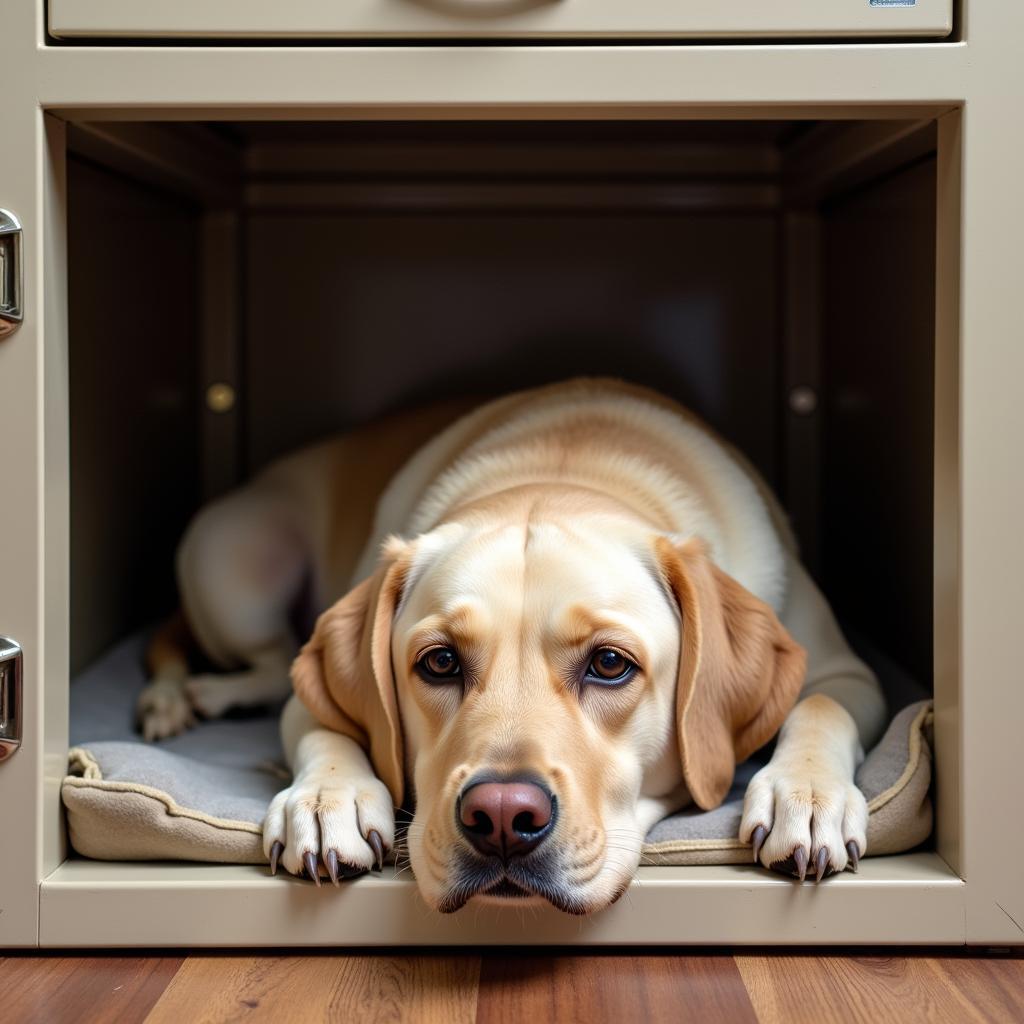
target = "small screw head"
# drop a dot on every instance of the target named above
(220, 397)
(803, 400)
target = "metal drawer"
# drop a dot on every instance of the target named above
(492, 19)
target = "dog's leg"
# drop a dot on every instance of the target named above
(266, 682)
(802, 811)
(335, 812)
(241, 566)
(162, 708)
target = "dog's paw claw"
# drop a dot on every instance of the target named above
(800, 860)
(757, 839)
(377, 845)
(309, 862)
(853, 852)
(331, 863)
(794, 864)
(821, 864)
(275, 853)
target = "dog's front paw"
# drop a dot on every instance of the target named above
(345, 824)
(804, 818)
(163, 710)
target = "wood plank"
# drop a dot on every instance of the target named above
(880, 989)
(100, 990)
(994, 987)
(653, 989)
(312, 987)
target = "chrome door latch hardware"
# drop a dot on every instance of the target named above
(10, 274)
(10, 697)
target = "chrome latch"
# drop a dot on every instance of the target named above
(10, 697)
(10, 274)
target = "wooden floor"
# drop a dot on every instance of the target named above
(508, 986)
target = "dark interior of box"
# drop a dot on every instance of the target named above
(382, 264)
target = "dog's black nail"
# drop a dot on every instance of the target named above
(757, 840)
(800, 859)
(331, 863)
(821, 862)
(377, 844)
(312, 868)
(275, 852)
(854, 852)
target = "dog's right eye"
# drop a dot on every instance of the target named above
(441, 664)
(609, 667)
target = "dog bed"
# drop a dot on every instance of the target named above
(202, 796)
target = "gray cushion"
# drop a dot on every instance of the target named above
(895, 778)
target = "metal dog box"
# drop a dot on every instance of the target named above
(835, 222)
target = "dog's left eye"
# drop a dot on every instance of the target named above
(441, 663)
(609, 666)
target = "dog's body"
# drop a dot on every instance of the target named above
(550, 538)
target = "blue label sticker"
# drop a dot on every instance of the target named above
(893, 3)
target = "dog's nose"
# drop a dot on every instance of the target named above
(505, 819)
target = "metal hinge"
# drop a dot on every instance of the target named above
(10, 274)
(10, 697)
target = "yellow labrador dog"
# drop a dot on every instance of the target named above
(574, 612)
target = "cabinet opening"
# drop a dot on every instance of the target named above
(239, 290)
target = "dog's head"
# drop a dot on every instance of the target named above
(542, 670)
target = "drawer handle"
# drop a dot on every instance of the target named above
(10, 697)
(481, 8)
(10, 273)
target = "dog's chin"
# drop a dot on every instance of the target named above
(503, 896)
(514, 886)
(506, 893)
(506, 889)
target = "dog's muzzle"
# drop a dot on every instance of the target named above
(505, 822)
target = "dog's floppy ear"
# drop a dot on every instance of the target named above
(344, 675)
(740, 672)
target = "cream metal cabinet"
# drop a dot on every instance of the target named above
(970, 887)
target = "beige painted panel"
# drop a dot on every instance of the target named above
(992, 494)
(482, 19)
(878, 337)
(947, 619)
(913, 899)
(56, 566)
(22, 366)
(134, 400)
(683, 302)
(220, 349)
(892, 81)
(801, 336)
(496, 149)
